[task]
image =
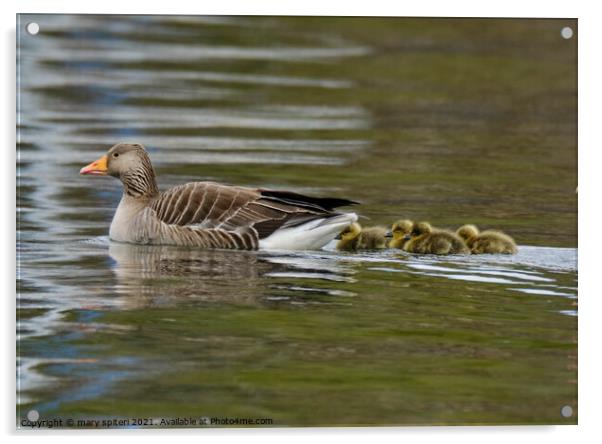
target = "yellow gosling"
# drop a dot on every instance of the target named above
(424, 239)
(372, 238)
(487, 242)
(354, 238)
(400, 232)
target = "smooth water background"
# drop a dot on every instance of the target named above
(452, 121)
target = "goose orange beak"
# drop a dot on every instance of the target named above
(96, 168)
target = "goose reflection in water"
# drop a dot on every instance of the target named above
(160, 275)
(149, 275)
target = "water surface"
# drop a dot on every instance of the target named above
(452, 121)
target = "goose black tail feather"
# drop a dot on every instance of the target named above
(325, 203)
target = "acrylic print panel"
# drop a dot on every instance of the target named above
(451, 121)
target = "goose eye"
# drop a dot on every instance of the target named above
(115, 154)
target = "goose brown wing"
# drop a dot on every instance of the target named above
(212, 205)
(206, 204)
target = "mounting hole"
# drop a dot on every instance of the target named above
(566, 33)
(566, 411)
(32, 28)
(33, 415)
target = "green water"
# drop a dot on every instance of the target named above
(452, 121)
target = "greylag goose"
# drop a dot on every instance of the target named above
(212, 215)
(354, 237)
(422, 238)
(489, 241)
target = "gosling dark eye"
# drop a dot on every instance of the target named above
(115, 154)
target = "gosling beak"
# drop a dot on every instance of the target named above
(338, 237)
(407, 237)
(96, 168)
(389, 234)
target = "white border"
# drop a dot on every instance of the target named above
(590, 76)
(458, 8)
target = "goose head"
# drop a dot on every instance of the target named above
(467, 232)
(131, 164)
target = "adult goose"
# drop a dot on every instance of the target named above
(212, 215)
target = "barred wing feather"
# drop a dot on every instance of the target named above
(209, 205)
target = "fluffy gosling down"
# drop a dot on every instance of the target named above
(422, 238)
(354, 238)
(486, 242)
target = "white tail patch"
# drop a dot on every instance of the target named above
(312, 235)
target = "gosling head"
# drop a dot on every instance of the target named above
(467, 232)
(401, 230)
(350, 233)
(421, 228)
